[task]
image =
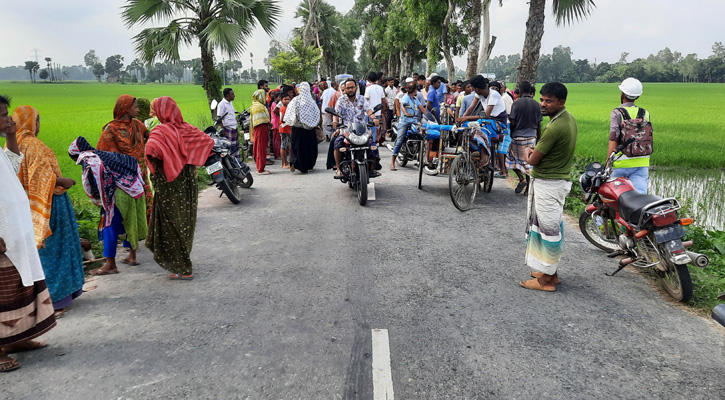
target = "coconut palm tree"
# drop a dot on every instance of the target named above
(215, 24)
(565, 12)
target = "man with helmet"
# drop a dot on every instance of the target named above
(634, 164)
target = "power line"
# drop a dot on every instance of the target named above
(35, 51)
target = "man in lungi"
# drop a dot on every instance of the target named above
(26, 309)
(525, 120)
(552, 159)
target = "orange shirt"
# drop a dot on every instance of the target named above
(287, 128)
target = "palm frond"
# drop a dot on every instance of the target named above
(568, 11)
(142, 11)
(247, 13)
(164, 42)
(225, 36)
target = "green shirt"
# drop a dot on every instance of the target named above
(557, 144)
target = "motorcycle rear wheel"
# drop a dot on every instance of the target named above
(594, 234)
(362, 184)
(676, 281)
(247, 181)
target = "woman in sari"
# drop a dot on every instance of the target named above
(259, 120)
(303, 116)
(173, 150)
(113, 181)
(54, 220)
(127, 135)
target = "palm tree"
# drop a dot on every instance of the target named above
(50, 71)
(214, 24)
(565, 12)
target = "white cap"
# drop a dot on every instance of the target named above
(409, 80)
(631, 87)
(432, 75)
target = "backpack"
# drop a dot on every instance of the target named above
(638, 128)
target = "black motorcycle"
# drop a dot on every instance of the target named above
(226, 171)
(410, 151)
(354, 168)
(718, 313)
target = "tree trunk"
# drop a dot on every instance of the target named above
(444, 42)
(488, 40)
(474, 39)
(532, 42)
(209, 73)
(403, 63)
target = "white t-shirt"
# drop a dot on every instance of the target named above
(390, 93)
(494, 99)
(374, 93)
(225, 110)
(326, 97)
(509, 102)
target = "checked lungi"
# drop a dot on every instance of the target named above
(545, 228)
(516, 157)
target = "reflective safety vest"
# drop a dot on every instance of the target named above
(632, 162)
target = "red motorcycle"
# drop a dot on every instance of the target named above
(645, 228)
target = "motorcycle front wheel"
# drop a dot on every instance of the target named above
(603, 237)
(247, 181)
(362, 184)
(231, 190)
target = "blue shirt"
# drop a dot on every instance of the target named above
(411, 106)
(435, 101)
(467, 100)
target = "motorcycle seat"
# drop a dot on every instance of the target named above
(632, 202)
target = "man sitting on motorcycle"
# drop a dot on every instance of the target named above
(352, 107)
(410, 111)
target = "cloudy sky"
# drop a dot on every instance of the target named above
(66, 30)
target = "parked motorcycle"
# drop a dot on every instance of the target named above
(355, 163)
(226, 171)
(645, 228)
(718, 313)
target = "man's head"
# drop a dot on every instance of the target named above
(526, 88)
(552, 98)
(480, 85)
(349, 88)
(420, 79)
(391, 81)
(373, 77)
(228, 94)
(288, 90)
(412, 87)
(335, 85)
(435, 81)
(263, 84)
(631, 89)
(7, 125)
(495, 85)
(467, 88)
(322, 86)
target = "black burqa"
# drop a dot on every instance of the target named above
(303, 146)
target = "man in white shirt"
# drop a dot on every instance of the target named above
(390, 92)
(375, 95)
(225, 111)
(327, 95)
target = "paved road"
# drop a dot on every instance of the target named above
(292, 281)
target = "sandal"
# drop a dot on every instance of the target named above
(101, 272)
(177, 277)
(537, 274)
(127, 262)
(30, 345)
(520, 187)
(10, 365)
(534, 284)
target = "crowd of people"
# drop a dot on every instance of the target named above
(142, 175)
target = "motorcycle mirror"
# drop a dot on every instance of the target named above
(378, 107)
(213, 104)
(332, 111)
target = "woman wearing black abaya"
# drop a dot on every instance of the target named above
(303, 116)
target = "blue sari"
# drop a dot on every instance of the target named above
(62, 257)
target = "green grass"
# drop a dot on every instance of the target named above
(82, 109)
(688, 122)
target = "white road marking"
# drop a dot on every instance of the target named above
(382, 375)
(371, 191)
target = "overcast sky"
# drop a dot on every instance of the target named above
(66, 30)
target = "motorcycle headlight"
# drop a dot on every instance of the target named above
(359, 140)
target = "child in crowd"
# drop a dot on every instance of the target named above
(276, 139)
(285, 130)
